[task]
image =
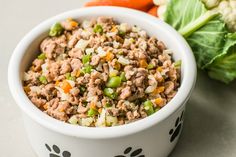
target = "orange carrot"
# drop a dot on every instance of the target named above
(153, 11)
(66, 86)
(135, 4)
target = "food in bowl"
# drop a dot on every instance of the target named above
(99, 73)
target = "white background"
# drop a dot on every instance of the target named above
(210, 120)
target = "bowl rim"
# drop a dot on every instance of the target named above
(15, 83)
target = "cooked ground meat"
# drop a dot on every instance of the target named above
(100, 73)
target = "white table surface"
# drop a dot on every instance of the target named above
(210, 122)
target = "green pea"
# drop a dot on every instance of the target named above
(150, 66)
(86, 59)
(42, 56)
(43, 79)
(148, 106)
(109, 92)
(98, 29)
(69, 77)
(87, 69)
(178, 63)
(122, 76)
(56, 30)
(114, 82)
(92, 112)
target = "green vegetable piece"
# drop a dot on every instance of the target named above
(56, 30)
(92, 112)
(122, 76)
(82, 89)
(120, 53)
(148, 106)
(109, 92)
(114, 82)
(69, 77)
(150, 66)
(121, 33)
(86, 59)
(98, 29)
(87, 69)
(42, 56)
(178, 63)
(207, 35)
(108, 105)
(43, 79)
(157, 109)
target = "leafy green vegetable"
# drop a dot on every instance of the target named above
(207, 35)
(225, 65)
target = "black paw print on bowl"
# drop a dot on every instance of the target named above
(129, 153)
(55, 151)
(174, 132)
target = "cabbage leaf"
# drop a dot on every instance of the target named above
(207, 35)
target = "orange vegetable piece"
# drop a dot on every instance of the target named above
(159, 90)
(93, 106)
(153, 11)
(66, 86)
(143, 63)
(77, 73)
(135, 4)
(109, 56)
(159, 101)
(100, 110)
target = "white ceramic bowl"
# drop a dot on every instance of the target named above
(154, 136)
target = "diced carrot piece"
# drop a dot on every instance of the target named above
(100, 110)
(77, 73)
(93, 106)
(143, 63)
(109, 56)
(57, 83)
(66, 86)
(159, 101)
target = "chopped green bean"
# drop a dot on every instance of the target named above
(178, 63)
(86, 59)
(114, 82)
(122, 76)
(92, 112)
(56, 30)
(98, 29)
(42, 56)
(110, 93)
(148, 106)
(69, 77)
(86, 69)
(43, 79)
(150, 66)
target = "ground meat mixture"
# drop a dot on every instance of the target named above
(101, 73)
